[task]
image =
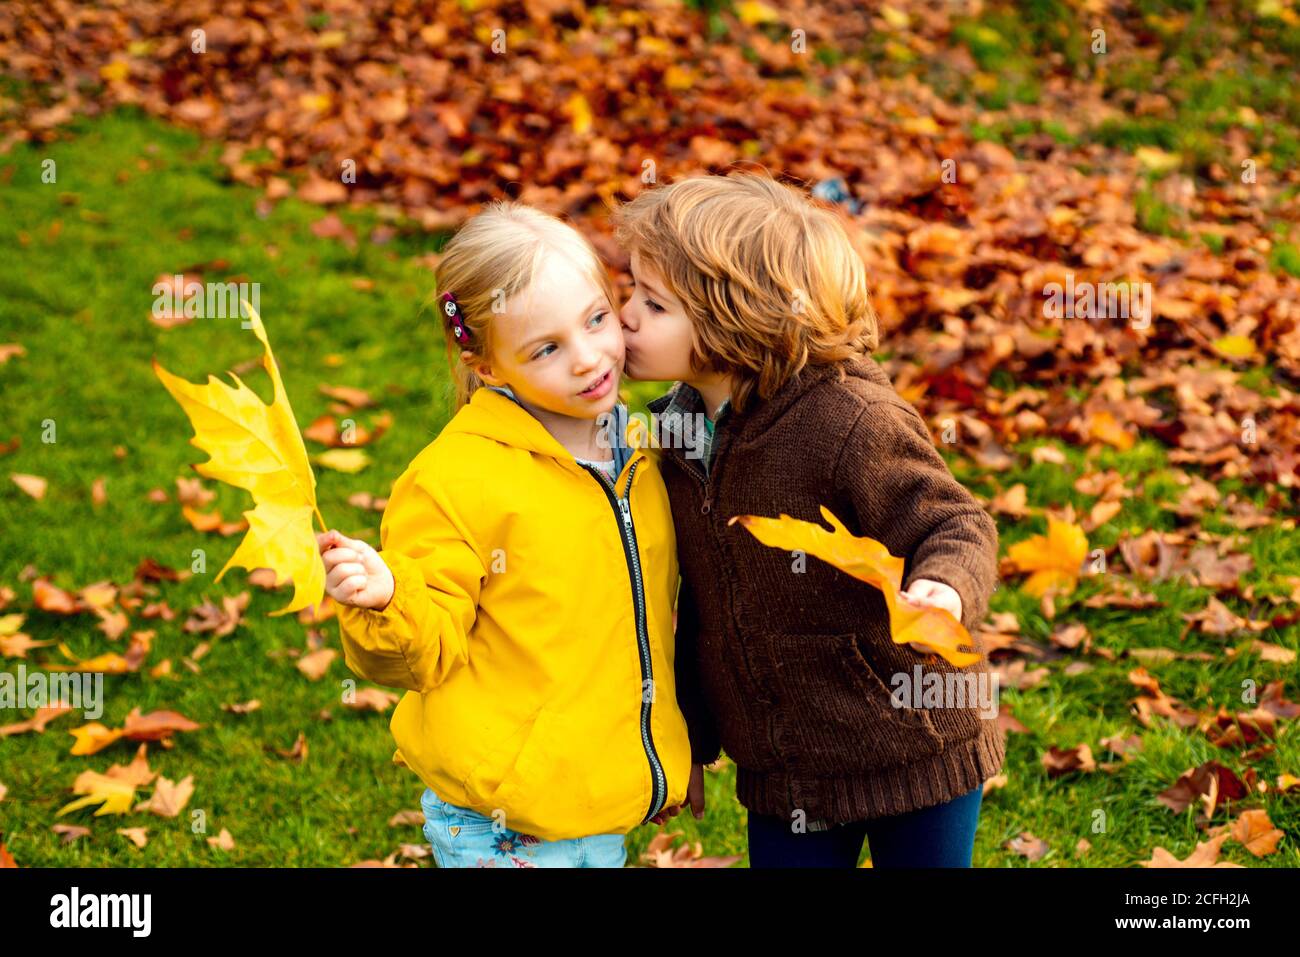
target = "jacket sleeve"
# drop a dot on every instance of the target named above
(905, 497)
(700, 724)
(422, 635)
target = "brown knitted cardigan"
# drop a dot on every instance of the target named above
(790, 670)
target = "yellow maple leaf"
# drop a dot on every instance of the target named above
(114, 795)
(868, 560)
(1053, 560)
(257, 447)
(94, 737)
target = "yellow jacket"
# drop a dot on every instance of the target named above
(532, 626)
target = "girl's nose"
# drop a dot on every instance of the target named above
(587, 357)
(626, 317)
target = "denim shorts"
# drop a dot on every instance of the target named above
(461, 837)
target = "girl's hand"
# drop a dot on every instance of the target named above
(694, 797)
(935, 594)
(354, 572)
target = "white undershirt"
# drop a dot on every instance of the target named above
(606, 466)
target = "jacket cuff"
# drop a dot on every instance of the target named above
(372, 630)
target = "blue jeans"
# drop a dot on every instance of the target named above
(939, 836)
(462, 837)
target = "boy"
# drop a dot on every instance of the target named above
(755, 300)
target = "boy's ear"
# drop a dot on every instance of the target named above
(480, 368)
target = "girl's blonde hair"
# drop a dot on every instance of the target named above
(496, 255)
(770, 281)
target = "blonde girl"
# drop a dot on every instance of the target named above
(524, 588)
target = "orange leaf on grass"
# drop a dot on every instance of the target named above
(661, 853)
(17, 644)
(93, 738)
(212, 522)
(1205, 855)
(33, 485)
(169, 797)
(49, 597)
(36, 722)
(1053, 560)
(139, 836)
(868, 560)
(156, 725)
(1256, 832)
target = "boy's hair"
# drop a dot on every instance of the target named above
(495, 255)
(770, 281)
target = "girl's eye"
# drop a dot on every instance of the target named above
(654, 305)
(597, 319)
(542, 352)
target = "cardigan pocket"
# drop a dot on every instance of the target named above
(836, 716)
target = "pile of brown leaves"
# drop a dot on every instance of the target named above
(441, 106)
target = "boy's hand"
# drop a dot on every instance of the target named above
(354, 572)
(694, 797)
(926, 592)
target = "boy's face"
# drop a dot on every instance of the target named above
(655, 328)
(557, 345)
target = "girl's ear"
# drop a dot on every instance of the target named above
(480, 368)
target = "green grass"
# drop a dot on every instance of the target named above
(1064, 711)
(135, 199)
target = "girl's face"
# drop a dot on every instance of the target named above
(558, 345)
(656, 328)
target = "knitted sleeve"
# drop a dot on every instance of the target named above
(905, 497)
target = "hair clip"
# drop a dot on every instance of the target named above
(451, 309)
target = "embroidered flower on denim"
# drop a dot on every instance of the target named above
(519, 862)
(508, 842)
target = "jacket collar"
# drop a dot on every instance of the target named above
(496, 413)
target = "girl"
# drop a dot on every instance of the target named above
(524, 590)
(756, 301)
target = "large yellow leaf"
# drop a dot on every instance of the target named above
(1053, 560)
(258, 447)
(868, 560)
(115, 795)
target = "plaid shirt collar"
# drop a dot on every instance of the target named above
(678, 411)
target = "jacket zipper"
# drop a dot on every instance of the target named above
(623, 509)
